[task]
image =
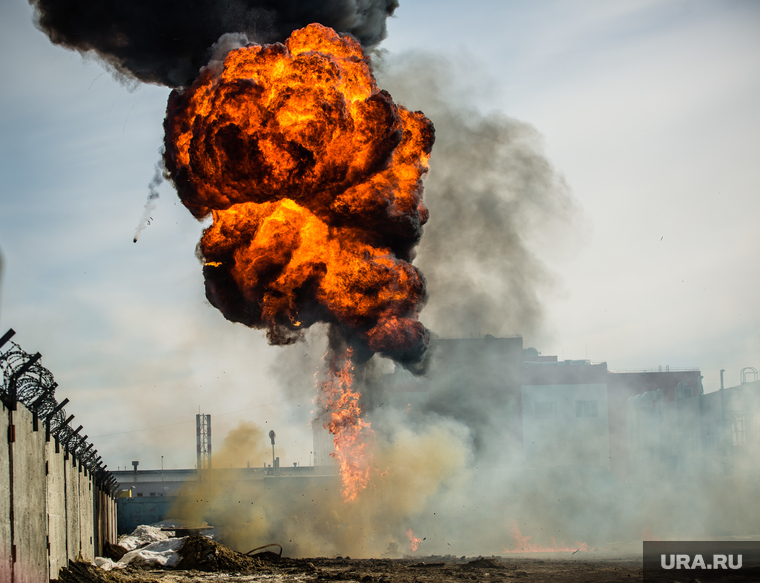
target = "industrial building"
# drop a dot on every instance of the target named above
(682, 433)
(533, 409)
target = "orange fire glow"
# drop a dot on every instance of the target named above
(521, 544)
(313, 178)
(414, 542)
(351, 434)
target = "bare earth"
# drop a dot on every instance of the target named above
(429, 570)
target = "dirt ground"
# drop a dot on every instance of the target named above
(428, 570)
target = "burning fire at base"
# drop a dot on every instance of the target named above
(414, 542)
(521, 544)
(313, 178)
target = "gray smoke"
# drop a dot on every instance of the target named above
(168, 41)
(150, 204)
(491, 191)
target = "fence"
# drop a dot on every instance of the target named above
(57, 501)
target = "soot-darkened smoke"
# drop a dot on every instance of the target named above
(168, 41)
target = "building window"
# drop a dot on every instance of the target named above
(586, 409)
(152, 494)
(737, 430)
(546, 409)
(139, 494)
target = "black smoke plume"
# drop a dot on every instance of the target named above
(167, 41)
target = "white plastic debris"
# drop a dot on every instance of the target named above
(143, 535)
(105, 564)
(159, 554)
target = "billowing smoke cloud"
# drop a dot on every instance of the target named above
(168, 41)
(313, 177)
(492, 194)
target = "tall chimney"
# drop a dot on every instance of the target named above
(203, 431)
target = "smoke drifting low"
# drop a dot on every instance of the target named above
(168, 41)
(309, 517)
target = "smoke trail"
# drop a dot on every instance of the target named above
(168, 41)
(150, 204)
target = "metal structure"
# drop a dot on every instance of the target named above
(747, 372)
(26, 381)
(203, 429)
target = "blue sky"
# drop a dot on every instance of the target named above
(650, 110)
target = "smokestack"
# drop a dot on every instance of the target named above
(203, 431)
(721, 378)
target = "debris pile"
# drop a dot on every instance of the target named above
(202, 554)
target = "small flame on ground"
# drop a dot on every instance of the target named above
(351, 434)
(647, 535)
(414, 542)
(521, 544)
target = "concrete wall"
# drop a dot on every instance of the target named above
(56, 512)
(71, 487)
(86, 524)
(29, 505)
(5, 499)
(49, 503)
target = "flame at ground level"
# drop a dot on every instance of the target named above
(414, 542)
(521, 544)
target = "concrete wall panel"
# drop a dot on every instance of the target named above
(85, 515)
(72, 508)
(56, 503)
(29, 501)
(5, 499)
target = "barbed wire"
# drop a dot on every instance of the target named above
(24, 380)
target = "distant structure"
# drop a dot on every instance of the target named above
(523, 407)
(686, 434)
(203, 430)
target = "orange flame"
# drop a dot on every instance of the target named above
(313, 177)
(414, 542)
(351, 433)
(521, 544)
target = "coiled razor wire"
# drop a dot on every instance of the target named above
(26, 381)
